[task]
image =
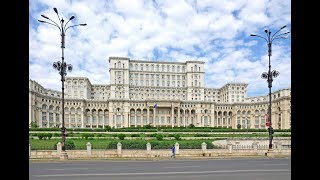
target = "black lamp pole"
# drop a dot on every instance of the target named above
(62, 66)
(270, 74)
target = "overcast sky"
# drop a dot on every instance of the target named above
(214, 31)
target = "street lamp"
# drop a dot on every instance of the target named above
(62, 66)
(270, 74)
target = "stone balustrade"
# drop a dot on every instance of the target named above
(232, 150)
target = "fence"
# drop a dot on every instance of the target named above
(230, 150)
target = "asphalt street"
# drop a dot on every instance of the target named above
(173, 169)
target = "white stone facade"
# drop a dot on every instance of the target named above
(177, 89)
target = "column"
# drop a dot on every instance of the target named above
(82, 118)
(103, 119)
(121, 120)
(91, 118)
(76, 118)
(69, 115)
(172, 118)
(89, 148)
(54, 119)
(129, 120)
(31, 105)
(211, 117)
(148, 148)
(60, 118)
(154, 117)
(111, 118)
(135, 118)
(178, 118)
(148, 115)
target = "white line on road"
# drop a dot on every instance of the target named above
(67, 169)
(277, 164)
(181, 166)
(165, 173)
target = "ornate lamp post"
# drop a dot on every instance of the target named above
(62, 66)
(270, 74)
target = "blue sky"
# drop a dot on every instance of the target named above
(214, 31)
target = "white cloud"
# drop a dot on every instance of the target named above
(216, 32)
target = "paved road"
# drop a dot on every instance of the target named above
(173, 169)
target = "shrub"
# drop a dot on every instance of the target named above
(34, 125)
(70, 145)
(121, 136)
(159, 137)
(148, 126)
(191, 125)
(107, 128)
(48, 135)
(238, 126)
(177, 137)
(135, 135)
(41, 135)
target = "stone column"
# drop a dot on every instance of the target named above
(54, 118)
(29, 150)
(119, 149)
(230, 147)
(148, 115)
(82, 119)
(172, 116)
(176, 146)
(275, 144)
(154, 117)
(69, 115)
(135, 118)
(148, 148)
(178, 118)
(110, 117)
(211, 118)
(76, 118)
(103, 119)
(204, 147)
(121, 120)
(279, 146)
(255, 146)
(89, 148)
(59, 148)
(91, 118)
(39, 113)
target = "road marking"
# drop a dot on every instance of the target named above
(164, 173)
(181, 166)
(277, 164)
(67, 169)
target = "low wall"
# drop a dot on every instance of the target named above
(225, 148)
(75, 154)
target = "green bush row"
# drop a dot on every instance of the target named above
(80, 144)
(163, 129)
(141, 144)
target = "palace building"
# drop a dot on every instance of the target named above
(170, 94)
